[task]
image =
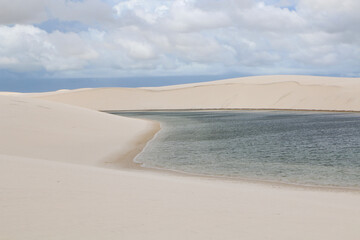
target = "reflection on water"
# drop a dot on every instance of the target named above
(294, 147)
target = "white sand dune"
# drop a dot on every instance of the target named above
(45, 130)
(53, 184)
(267, 92)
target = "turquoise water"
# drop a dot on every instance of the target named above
(308, 148)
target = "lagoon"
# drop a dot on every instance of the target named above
(306, 148)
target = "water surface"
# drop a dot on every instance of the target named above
(308, 148)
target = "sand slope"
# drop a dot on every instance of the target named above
(271, 92)
(45, 130)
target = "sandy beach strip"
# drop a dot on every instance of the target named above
(60, 178)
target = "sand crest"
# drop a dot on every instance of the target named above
(266, 92)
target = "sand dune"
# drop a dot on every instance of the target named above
(39, 129)
(269, 92)
(54, 184)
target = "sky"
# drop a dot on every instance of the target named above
(52, 44)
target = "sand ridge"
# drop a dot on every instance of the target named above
(265, 92)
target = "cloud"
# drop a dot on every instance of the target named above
(15, 11)
(27, 48)
(92, 12)
(332, 16)
(37, 11)
(159, 37)
(263, 18)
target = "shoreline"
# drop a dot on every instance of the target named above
(231, 109)
(128, 161)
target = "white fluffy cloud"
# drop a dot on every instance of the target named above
(26, 48)
(155, 37)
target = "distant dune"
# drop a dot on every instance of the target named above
(266, 92)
